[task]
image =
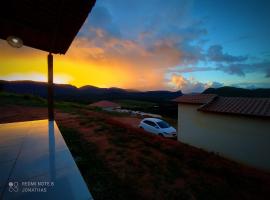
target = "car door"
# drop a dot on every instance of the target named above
(147, 126)
(152, 127)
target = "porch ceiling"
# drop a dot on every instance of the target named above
(48, 25)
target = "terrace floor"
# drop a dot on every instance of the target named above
(35, 163)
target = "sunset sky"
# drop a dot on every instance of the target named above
(158, 45)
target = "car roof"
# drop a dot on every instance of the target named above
(152, 119)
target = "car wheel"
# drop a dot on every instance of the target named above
(160, 134)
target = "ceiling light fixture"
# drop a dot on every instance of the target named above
(15, 41)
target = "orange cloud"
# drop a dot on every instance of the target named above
(188, 85)
(102, 61)
(178, 81)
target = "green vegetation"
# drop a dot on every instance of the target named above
(35, 101)
(69, 107)
(24, 100)
(144, 106)
(131, 104)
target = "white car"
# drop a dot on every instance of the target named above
(158, 127)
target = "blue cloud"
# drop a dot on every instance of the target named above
(242, 69)
(215, 53)
(267, 73)
(101, 18)
(216, 84)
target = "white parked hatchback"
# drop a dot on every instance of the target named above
(158, 127)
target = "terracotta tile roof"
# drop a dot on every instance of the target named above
(239, 105)
(195, 98)
(105, 104)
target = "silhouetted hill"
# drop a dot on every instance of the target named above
(86, 93)
(238, 92)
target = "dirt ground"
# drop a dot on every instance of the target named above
(131, 121)
(139, 165)
(10, 114)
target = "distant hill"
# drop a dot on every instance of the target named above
(86, 93)
(238, 92)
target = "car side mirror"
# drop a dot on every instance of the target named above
(156, 127)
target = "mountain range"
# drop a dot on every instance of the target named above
(88, 94)
(239, 92)
(85, 94)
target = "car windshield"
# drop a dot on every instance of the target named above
(163, 124)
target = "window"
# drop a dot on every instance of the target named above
(163, 124)
(150, 123)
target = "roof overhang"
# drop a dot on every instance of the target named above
(48, 25)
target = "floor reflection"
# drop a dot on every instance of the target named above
(52, 150)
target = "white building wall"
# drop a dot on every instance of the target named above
(243, 139)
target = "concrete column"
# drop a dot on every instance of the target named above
(50, 88)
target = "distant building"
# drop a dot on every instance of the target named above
(106, 105)
(237, 128)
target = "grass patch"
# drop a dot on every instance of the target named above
(101, 128)
(19, 99)
(89, 121)
(144, 106)
(102, 182)
(133, 104)
(69, 107)
(36, 101)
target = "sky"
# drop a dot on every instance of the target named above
(186, 45)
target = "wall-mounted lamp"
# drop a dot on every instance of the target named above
(15, 41)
